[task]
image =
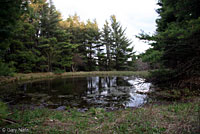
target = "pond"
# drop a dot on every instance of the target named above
(110, 92)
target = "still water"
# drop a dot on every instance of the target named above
(108, 92)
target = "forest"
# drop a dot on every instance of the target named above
(36, 39)
(65, 75)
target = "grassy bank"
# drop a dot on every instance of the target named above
(177, 117)
(34, 76)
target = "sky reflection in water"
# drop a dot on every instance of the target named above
(82, 92)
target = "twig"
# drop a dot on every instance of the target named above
(9, 121)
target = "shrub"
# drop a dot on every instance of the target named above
(58, 71)
(162, 77)
(6, 70)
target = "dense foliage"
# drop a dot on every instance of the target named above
(176, 43)
(35, 38)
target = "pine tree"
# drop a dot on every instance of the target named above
(121, 49)
(50, 33)
(22, 50)
(9, 15)
(37, 39)
(10, 23)
(92, 36)
(86, 37)
(177, 38)
(107, 42)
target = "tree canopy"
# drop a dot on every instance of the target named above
(35, 38)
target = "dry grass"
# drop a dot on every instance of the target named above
(47, 75)
(174, 118)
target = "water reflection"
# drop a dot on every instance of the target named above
(81, 92)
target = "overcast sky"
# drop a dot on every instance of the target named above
(135, 15)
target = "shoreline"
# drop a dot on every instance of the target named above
(19, 77)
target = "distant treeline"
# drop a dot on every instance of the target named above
(35, 38)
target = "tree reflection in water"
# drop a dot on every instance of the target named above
(81, 92)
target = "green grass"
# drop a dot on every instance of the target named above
(177, 117)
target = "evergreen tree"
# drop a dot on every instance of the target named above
(22, 51)
(50, 41)
(121, 49)
(36, 39)
(92, 36)
(153, 57)
(86, 38)
(177, 38)
(107, 42)
(9, 15)
(10, 12)
(75, 29)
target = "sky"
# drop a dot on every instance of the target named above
(134, 15)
